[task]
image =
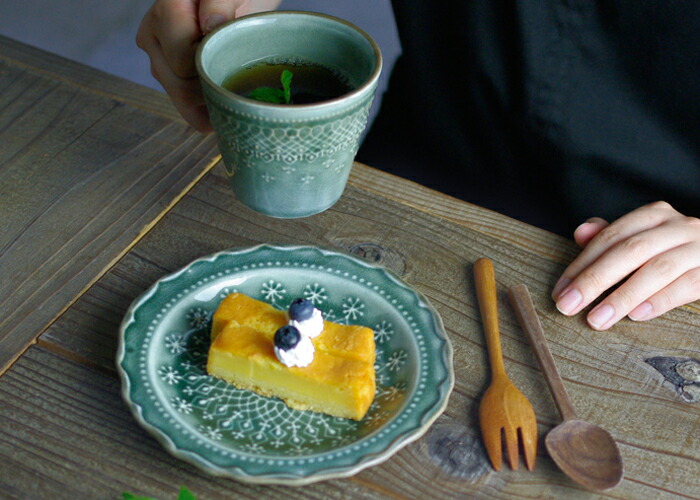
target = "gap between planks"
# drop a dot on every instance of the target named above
(146, 229)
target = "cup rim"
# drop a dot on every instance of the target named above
(361, 89)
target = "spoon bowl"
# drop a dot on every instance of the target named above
(586, 453)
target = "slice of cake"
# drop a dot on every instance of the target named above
(338, 381)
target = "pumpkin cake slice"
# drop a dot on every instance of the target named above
(339, 381)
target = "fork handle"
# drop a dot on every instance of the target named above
(530, 323)
(485, 279)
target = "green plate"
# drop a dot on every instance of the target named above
(162, 355)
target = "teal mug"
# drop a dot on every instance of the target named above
(289, 160)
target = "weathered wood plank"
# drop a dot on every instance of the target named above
(605, 372)
(80, 184)
(57, 68)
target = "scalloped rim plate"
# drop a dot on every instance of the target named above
(163, 344)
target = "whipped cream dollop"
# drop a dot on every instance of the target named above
(302, 354)
(311, 327)
(293, 346)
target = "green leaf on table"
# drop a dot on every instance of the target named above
(185, 494)
(273, 95)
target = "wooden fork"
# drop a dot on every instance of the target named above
(503, 409)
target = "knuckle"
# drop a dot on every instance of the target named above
(660, 205)
(157, 10)
(693, 222)
(140, 42)
(625, 298)
(634, 246)
(663, 300)
(664, 266)
(145, 31)
(154, 72)
(683, 291)
(608, 236)
(593, 280)
(178, 9)
(693, 277)
(670, 297)
(143, 35)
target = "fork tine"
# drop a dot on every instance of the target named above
(492, 441)
(511, 438)
(528, 434)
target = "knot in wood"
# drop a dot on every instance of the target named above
(368, 251)
(689, 370)
(683, 373)
(457, 451)
(377, 254)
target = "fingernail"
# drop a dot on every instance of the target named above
(213, 21)
(561, 284)
(642, 311)
(599, 317)
(569, 301)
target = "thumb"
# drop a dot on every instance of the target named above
(213, 13)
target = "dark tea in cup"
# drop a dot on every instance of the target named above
(310, 83)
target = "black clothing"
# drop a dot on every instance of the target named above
(548, 111)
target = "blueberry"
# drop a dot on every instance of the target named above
(301, 309)
(287, 337)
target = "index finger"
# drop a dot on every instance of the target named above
(177, 30)
(637, 221)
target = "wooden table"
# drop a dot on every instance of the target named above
(104, 190)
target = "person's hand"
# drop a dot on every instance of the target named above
(655, 247)
(170, 32)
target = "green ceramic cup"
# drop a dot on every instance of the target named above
(283, 160)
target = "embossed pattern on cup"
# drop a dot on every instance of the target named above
(289, 161)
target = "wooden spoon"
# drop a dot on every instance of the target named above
(585, 452)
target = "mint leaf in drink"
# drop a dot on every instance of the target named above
(286, 79)
(273, 95)
(267, 94)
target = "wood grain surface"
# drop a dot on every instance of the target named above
(84, 174)
(605, 373)
(67, 434)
